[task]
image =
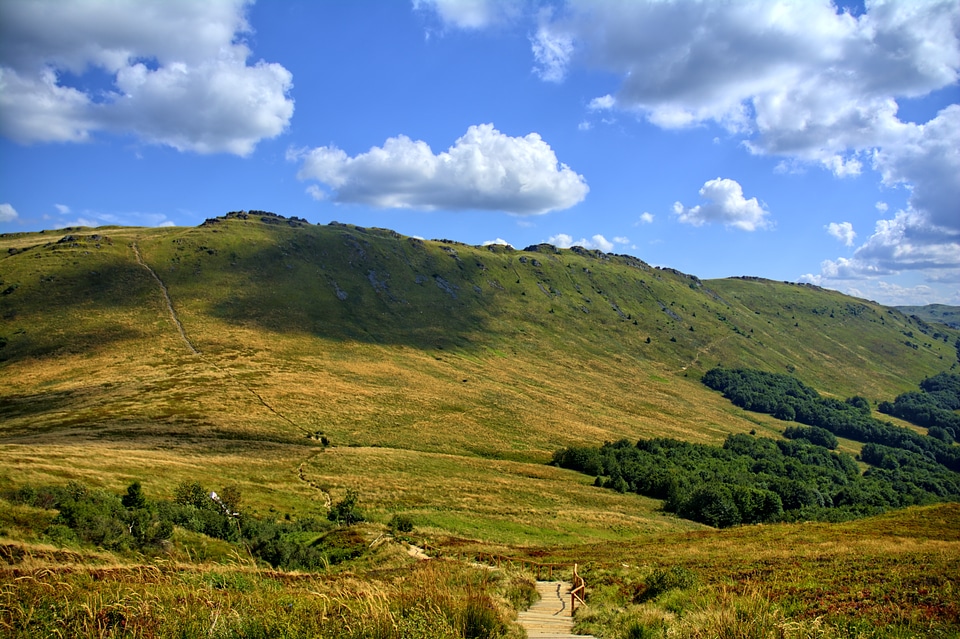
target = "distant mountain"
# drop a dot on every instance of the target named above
(948, 315)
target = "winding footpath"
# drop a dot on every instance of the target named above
(166, 297)
(550, 617)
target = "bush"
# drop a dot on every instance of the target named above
(661, 581)
(481, 619)
(346, 511)
(400, 524)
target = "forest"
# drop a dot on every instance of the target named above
(759, 480)
(786, 398)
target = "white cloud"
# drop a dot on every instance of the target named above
(621, 240)
(726, 205)
(842, 231)
(499, 242)
(97, 218)
(471, 14)
(603, 103)
(924, 238)
(795, 79)
(551, 50)
(317, 193)
(842, 166)
(483, 170)
(7, 212)
(807, 79)
(910, 242)
(62, 208)
(179, 70)
(645, 218)
(597, 242)
(890, 293)
(584, 126)
(926, 157)
(561, 240)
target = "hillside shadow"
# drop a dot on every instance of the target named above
(70, 299)
(350, 287)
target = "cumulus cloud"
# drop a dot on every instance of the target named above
(726, 205)
(483, 170)
(7, 212)
(924, 238)
(645, 218)
(597, 242)
(499, 242)
(842, 231)
(179, 71)
(808, 79)
(63, 209)
(799, 80)
(927, 158)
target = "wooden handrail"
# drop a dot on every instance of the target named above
(578, 592)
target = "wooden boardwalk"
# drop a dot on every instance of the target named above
(550, 617)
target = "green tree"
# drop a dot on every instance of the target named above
(346, 511)
(134, 499)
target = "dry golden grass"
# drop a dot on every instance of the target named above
(499, 501)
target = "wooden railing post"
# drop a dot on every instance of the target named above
(578, 592)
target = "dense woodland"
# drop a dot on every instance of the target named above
(932, 406)
(787, 398)
(753, 480)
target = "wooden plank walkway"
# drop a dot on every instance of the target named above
(550, 617)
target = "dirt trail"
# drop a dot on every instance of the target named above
(195, 351)
(302, 476)
(166, 297)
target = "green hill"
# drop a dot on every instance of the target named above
(378, 339)
(297, 362)
(293, 332)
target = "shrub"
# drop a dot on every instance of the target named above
(401, 524)
(661, 581)
(346, 511)
(481, 619)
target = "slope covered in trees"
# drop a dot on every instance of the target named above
(933, 406)
(787, 398)
(755, 479)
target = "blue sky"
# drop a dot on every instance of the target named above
(793, 140)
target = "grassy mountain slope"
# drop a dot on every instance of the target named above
(387, 344)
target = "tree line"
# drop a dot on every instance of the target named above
(787, 398)
(756, 480)
(752, 479)
(932, 406)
